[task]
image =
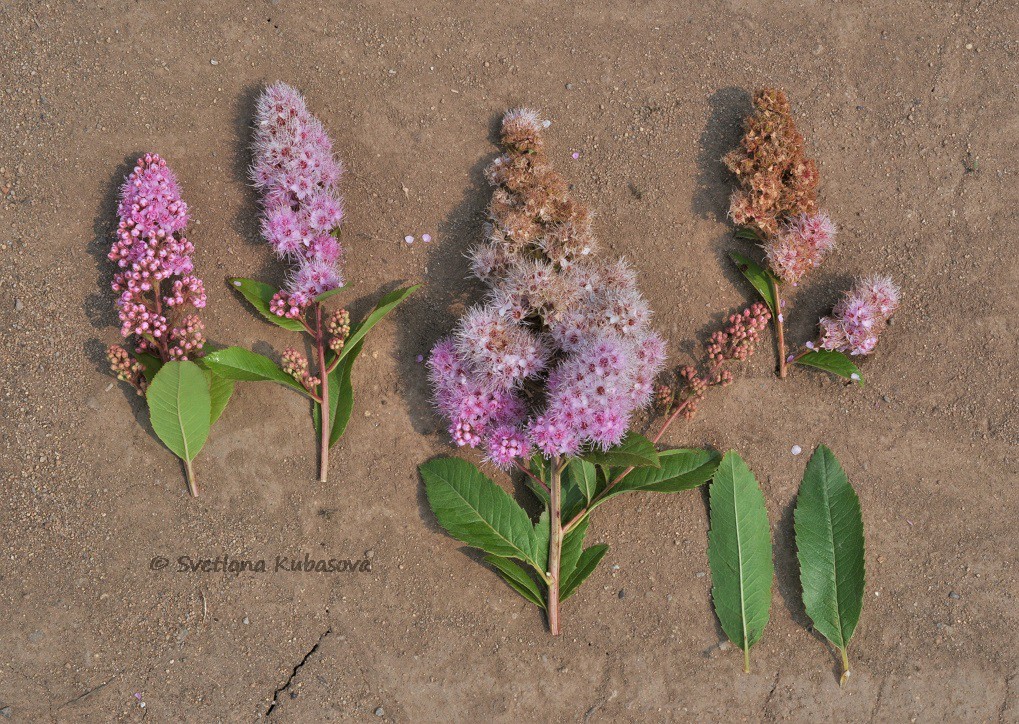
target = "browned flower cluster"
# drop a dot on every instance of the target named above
(533, 213)
(777, 180)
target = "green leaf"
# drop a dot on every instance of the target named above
(259, 295)
(542, 535)
(680, 470)
(341, 399)
(332, 293)
(829, 544)
(832, 361)
(180, 408)
(589, 560)
(635, 450)
(476, 511)
(517, 579)
(237, 363)
(760, 278)
(539, 468)
(385, 305)
(739, 553)
(221, 390)
(150, 365)
(745, 232)
(573, 546)
(583, 475)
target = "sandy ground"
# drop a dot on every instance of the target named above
(911, 109)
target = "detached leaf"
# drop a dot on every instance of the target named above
(237, 363)
(834, 362)
(760, 278)
(221, 390)
(589, 560)
(635, 450)
(517, 579)
(259, 295)
(739, 553)
(476, 511)
(341, 399)
(180, 411)
(829, 544)
(385, 305)
(680, 470)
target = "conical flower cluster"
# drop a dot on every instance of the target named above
(561, 354)
(297, 174)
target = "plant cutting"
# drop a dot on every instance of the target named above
(158, 303)
(297, 174)
(829, 545)
(776, 206)
(546, 377)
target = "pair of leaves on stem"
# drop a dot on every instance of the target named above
(238, 363)
(476, 511)
(184, 402)
(829, 539)
(764, 282)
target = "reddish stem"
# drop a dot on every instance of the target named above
(555, 548)
(779, 329)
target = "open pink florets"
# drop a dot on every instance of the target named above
(860, 316)
(297, 174)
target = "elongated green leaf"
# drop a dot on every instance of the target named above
(150, 365)
(237, 363)
(332, 293)
(540, 469)
(542, 535)
(583, 475)
(834, 362)
(635, 450)
(517, 579)
(385, 305)
(573, 546)
(588, 561)
(747, 233)
(259, 295)
(341, 399)
(180, 409)
(739, 553)
(476, 511)
(680, 470)
(829, 544)
(221, 390)
(760, 278)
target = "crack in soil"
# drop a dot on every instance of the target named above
(293, 674)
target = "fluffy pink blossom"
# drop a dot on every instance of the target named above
(571, 332)
(297, 174)
(860, 316)
(158, 291)
(800, 245)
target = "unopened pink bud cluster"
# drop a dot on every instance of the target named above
(297, 174)
(555, 321)
(860, 316)
(150, 251)
(801, 244)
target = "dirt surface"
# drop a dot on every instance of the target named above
(910, 108)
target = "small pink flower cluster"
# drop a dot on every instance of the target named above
(150, 248)
(553, 316)
(297, 174)
(860, 316)
(800, 245)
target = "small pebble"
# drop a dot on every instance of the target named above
(246, 621)
(369, 554)
(214, 61)
(796, 450)
(886, 398)
(18, 305)
(569, 86)
(6, 712)
(380, 712)
(954, 596)
(724, 646)
(622, 593)
(700, 574)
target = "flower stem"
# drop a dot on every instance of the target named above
(192, 481)
(320, 348)
(555, 548)
(779, 328)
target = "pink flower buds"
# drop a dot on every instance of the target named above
(800, 245)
